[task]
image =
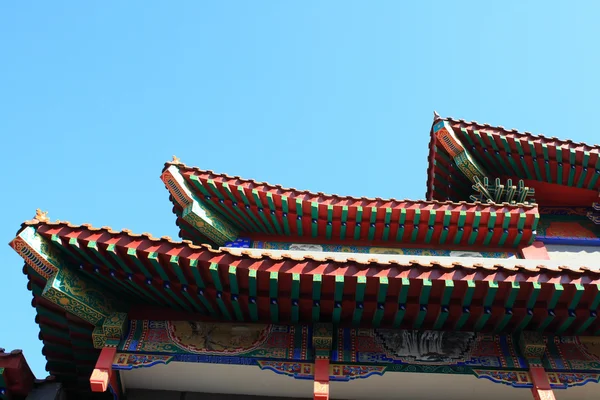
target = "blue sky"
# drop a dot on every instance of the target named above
(334, 96)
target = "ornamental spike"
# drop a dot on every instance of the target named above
(41, 216)
(436, 116)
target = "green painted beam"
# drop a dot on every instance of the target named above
(462, 218)
(401, 222)
(475, 225)
(239, 209)
(487, 151)
(491, 290)
(572, 161)
(274, 296)
(295, 297)
(317, 287)
(285, 209)
(402, 297)
(194, 267)
(234, 289)
(536, 166)
(361, 284)
(343, 222)
(423, 303)
(559, 166)
(329, 229)
(430, 226)
(522, 158)
(218, 204)
(214, 274)
(556, 293)
(416, 222)
(337, 298)
(314, 214)
(596, 174)
(253, 293)
(247, 209)
(381, 297)
(579, 290)
(387, 221)
(505, 228)
(444, 305)
(273, 213)
(153, 259)
(372, 222)
(509, 155)
(299, 216)
(585, 169)
(491, 225)
(261, 211)
(358, 226)
(508, 306)
(593, 312)
(176, 268)
(446, 226)
(466, 304)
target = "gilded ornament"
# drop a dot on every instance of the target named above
(41, 216)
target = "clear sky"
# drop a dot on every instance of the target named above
(332, 96)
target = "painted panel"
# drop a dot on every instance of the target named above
(564, 225)
(374, 250)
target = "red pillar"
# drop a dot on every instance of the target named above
(536, 251)
(321, 388)
(541, 386)
(103, 373)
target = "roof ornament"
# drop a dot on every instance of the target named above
(41, 216)
(176, 160)
(436, 116)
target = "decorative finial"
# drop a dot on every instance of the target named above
(41, 216)
(176, 160)
(436, 115)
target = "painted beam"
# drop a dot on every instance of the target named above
(557, 292)
(444, 305)
(593, 312)
(316, 296)
(466, 305)
(338, 295)
(381, 300)
(402, 298)
(423, 303)
(361, 284)
(513, 292)
(274, 296)
(235, 292)
(488, 301)
(579, 290)
(295, 297)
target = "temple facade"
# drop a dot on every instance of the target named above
(488, 288)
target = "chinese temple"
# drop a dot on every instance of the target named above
(489, 288)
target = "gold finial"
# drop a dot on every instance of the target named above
(176, 160)
(41, 216)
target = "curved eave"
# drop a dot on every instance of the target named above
(545, 163)
(260, 208)
(255, 286)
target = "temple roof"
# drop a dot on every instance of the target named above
(290, 287)
(547, 164)
(259, 208)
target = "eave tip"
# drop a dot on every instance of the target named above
(436, 116)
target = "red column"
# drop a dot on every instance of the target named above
(321, 388)
(103, 374)
(536, 251)
(541, 386)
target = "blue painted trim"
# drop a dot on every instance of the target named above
(569, 241)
